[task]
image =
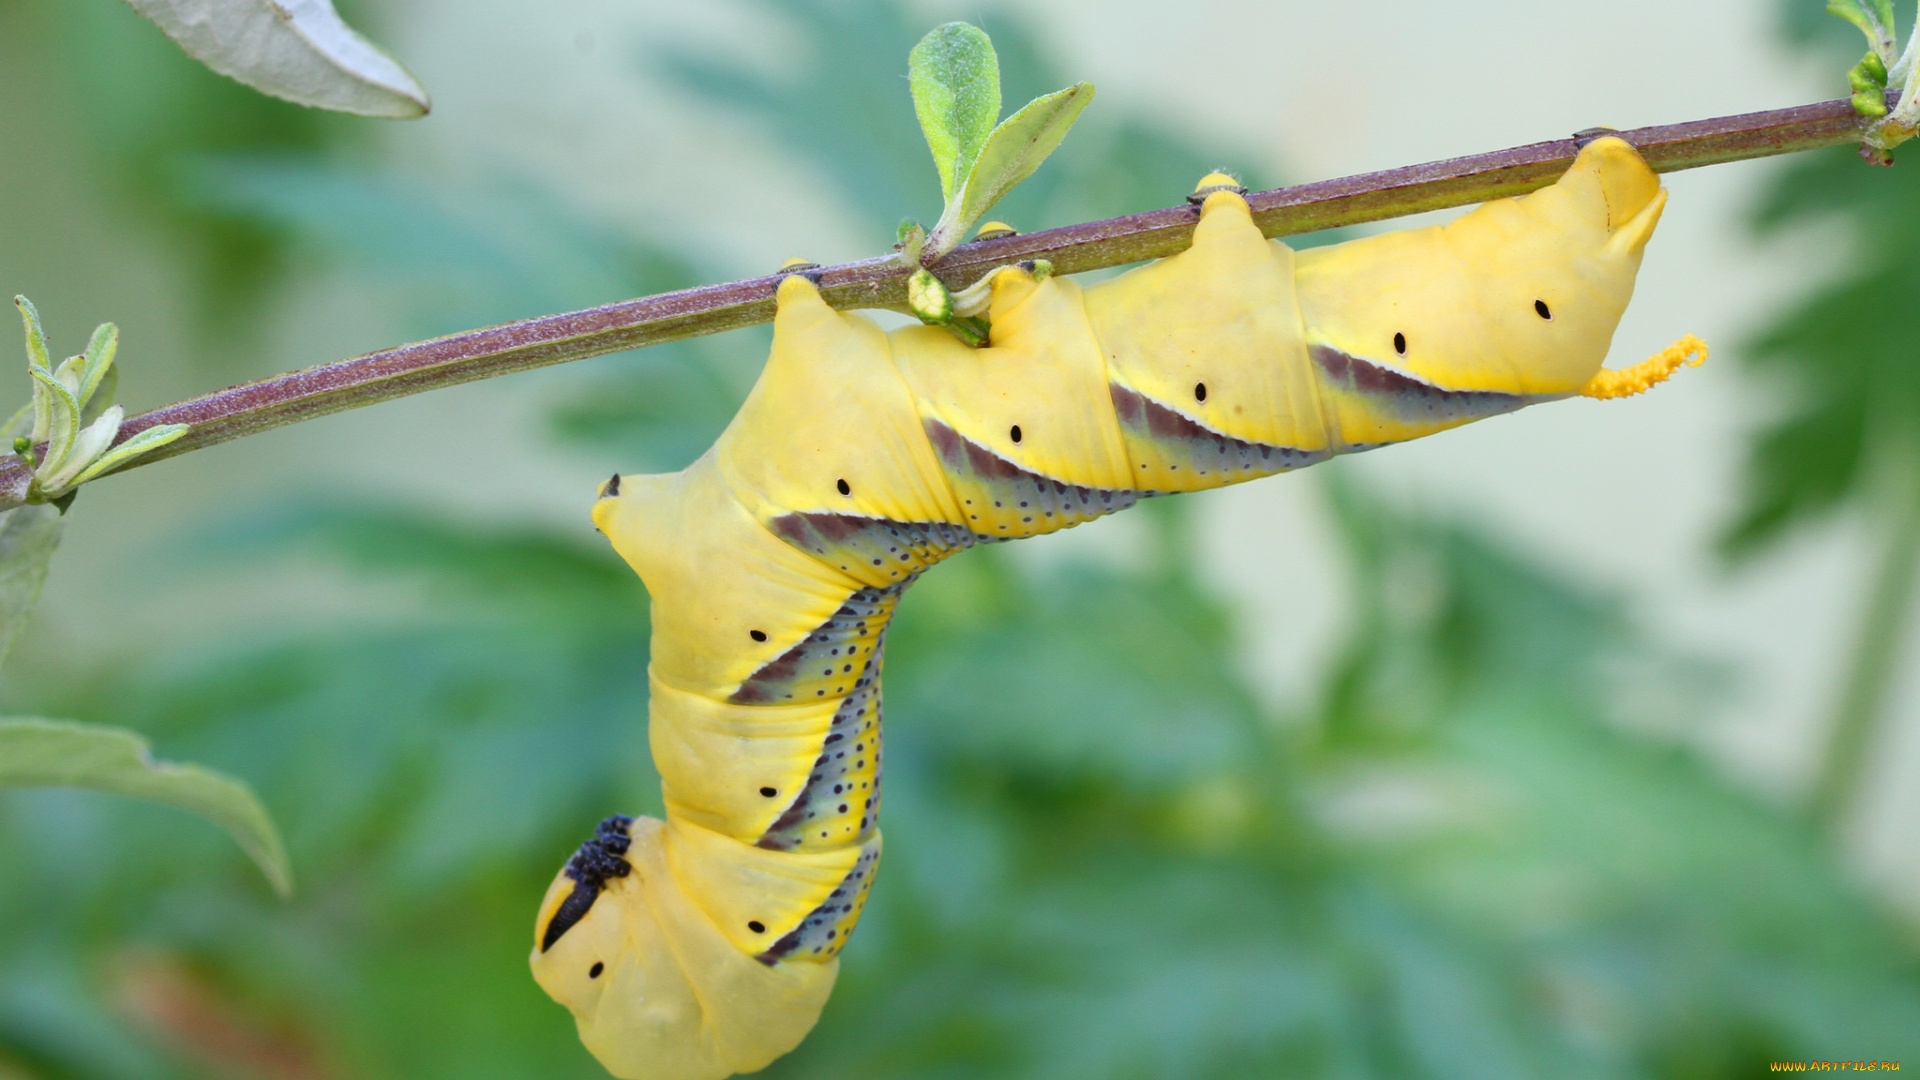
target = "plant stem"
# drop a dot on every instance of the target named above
(1881, 640)
(881, 283)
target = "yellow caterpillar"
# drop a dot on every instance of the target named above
(706, 944)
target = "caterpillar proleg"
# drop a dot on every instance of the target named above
(706, 944)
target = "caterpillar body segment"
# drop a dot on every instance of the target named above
(706, 944)
(1206, 363)
(668, 994)
(1462, 296)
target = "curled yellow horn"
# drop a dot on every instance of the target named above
(1645, 375)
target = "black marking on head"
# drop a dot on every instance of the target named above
(1015, 433)
(844, 488)
(611, 487)
(594, 971)
(1200, 391)
(1400, 343)
(757, 635)
(597, 860)
(1027, 265)
(756, 926)
(1540, 308)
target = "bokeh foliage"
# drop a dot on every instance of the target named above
(1845, 435)
(1106, 858)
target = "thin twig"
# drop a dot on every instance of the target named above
(881, 283)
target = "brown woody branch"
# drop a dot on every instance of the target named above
(881, 283)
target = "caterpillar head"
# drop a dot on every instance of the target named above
(654, 988)
(1520, 296)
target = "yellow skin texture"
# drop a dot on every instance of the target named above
(862, 457)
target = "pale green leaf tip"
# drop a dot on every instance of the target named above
(37, 355)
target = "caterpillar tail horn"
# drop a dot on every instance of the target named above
(657, 991)
(1608, 384)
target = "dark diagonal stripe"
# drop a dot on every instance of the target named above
(1408, 399)
(837, 805)
(1200, 448)
(848, 541)
(821, 934)
(986, 482)
(830, 661)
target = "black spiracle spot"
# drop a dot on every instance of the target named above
(1199, 391)
(757, 926)
(769, 792)
(1015, 433)
(594, 971)
(1540, 309)
(757, 635)
(845, 489)
(1400, 343)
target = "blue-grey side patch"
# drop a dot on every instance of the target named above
(1407, 399)
(847, 540)
(1200, 448)
(821, 934)
(835, 806)
(832, 660)
(1007, 486)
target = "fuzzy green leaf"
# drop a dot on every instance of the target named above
(955, 79)
(299, 50)
(37, 360)
(36, 337)
(1011, 154)
(98, 362)
(151, 439)
(63, 418)
(39, 753)
(29, 535)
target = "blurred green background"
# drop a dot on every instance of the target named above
(1503, 797)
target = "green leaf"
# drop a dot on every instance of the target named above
(1011, 154)
(63, 423)
(28, 537)
(35, 753)
(299, 50)
(955, 78)
(36, 337)
(151, 439)
(98, 362)
(1875, 20)
(37, 360)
